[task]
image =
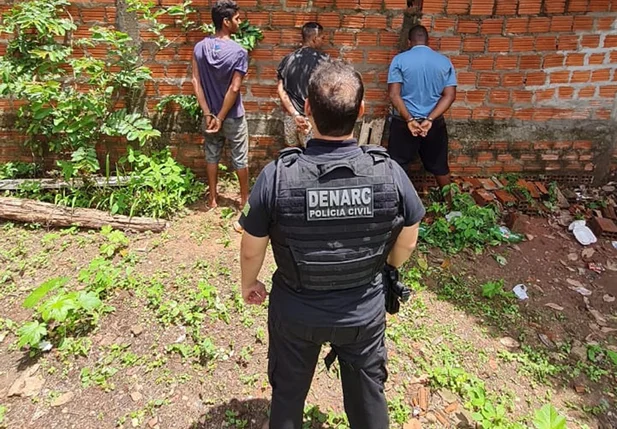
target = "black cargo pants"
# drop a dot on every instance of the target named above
(293, 354)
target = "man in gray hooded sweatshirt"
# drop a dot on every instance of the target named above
(219, 65)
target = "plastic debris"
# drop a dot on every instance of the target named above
(614, 243)
(583, 291)
(453, 215)
(596, 267)
(520, 291)
(45, 346)
(500, 260)
(582, 233)
(510, 236)
(608, 297)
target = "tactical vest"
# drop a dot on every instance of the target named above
(332, 234)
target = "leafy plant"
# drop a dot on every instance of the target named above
(548, 418)
(494, 288)
(247, 36)
(115, 241)
(475, 227)
(18, 170)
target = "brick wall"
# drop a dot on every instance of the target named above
(537, 78)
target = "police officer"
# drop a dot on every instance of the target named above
(335, 213)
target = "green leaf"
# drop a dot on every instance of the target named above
(38, 293)
(612, 356)
(31, 333)
(57, 308)
(88, 300)
(548, 418)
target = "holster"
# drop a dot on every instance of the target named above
(396, 292)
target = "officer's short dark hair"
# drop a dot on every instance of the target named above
(418, 33)
(223, 9)
(310, 30)
(335, 93)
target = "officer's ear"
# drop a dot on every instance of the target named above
(361, 110)
(307, 108)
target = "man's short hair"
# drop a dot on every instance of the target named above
(335, 92)
(310, 30)
(223, 9)
(418, 33)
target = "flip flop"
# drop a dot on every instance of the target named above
(237, 227)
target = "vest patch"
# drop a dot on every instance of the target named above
(352, 202)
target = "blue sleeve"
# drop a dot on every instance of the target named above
(413, 209)
(242, 66)
(255, 218)
(395, 75)
(450, 75)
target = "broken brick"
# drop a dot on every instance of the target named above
(423, 398)
(488, 184)
(541, 188)
(442, 418)
(504, 197)
(609, 212)
(451, 408)
(531, 188)
(518, 222)
(497, 182)
(474, 182)
(603, 227)
(482, 197)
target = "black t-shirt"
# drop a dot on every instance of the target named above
(340, 308)
(295, 71)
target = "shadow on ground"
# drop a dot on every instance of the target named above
(245, 414)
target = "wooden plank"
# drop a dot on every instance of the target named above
(377, 126)
(364, 133)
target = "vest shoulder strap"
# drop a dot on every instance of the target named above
(379, 153)
(289, 155)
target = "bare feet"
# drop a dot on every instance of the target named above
(211, 201)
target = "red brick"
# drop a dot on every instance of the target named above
(466, 78)
(329, 19)
(529, 7)
(482, 63)
(354, 21)
(281, 19)
(506, 62)
(561, 23)
(468, 27)
(535, 78)
(366, 39)
(397, 23)
(455, 7)
(451, 44)
(354, 55)
(376, 22)
(512, 79)
(539, 24)
(481, 113)
(587, 92)
(475, 96)
(546, 43)
(292, 37)
(590, 41)
(555, 6)
(559, 77)
(530, 62)
(608, 91)
(522, 96)
(522, 44)
(565, 92)
(498, 44)
(474, 44)
(575, 60)
(517, 25)
(599, 5)
(578, 5)
(499, 96)
(380, 57)
(567, 43)
(443, 25)
(388, 40)
(265, 91)
(302, 17)
(344, 39)
(460, 61)
(610, 41)
(389, 4)
(433, 6)
(460, 112)
(595, 59)
(553, 60)
(492, 26)
(482, 7)
(505, 7)
(583, 23)
(489, 80)
(579, 76)
(605, 23)
(602, 75)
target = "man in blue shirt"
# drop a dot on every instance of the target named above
(422, 87)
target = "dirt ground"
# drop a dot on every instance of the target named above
(129, 373)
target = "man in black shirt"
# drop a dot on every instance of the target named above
(335, 214)
(293, 74)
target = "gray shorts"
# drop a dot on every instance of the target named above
(235, 130)
(294, 137)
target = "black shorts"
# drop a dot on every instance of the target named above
(433, 149)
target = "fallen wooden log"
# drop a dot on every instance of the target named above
(30, 211)
(99, 182)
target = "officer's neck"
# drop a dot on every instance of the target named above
(319, 136)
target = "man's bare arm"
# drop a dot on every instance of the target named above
(252, 253)
(394, 90)
(285, 100)
(199, 93)
(404, 246)
(447, 98)
(231, 95)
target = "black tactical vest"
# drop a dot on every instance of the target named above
(331, 234)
